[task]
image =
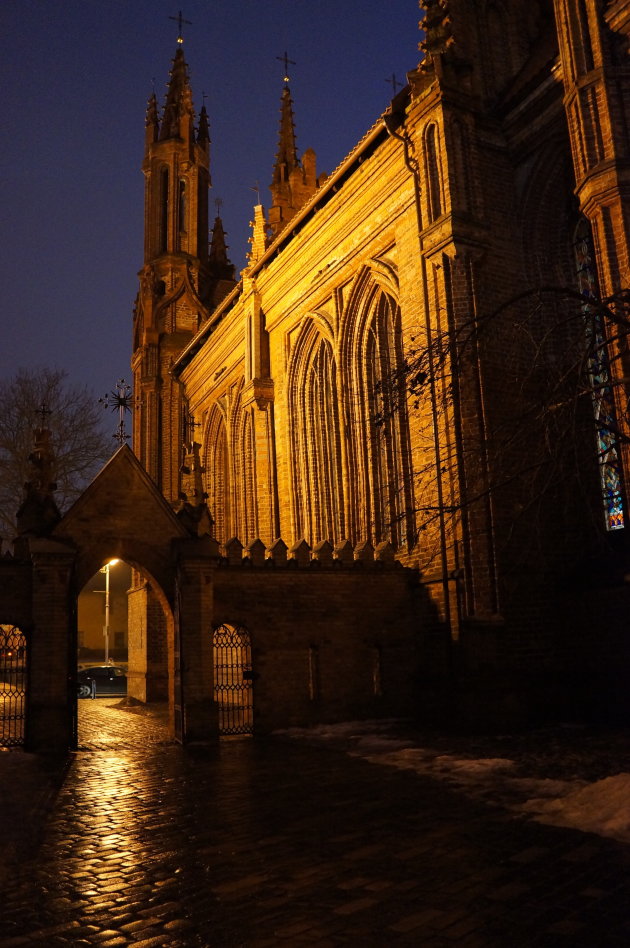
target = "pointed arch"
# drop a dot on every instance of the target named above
(432, 171)
(248, 506)
(217, 468)
(241, 439)
(378, 455)
(313, 398)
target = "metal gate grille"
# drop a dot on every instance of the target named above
(233, 679)
(12, 685)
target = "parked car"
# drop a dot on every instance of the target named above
(101, 681)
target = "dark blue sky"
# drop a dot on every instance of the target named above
(75, 79)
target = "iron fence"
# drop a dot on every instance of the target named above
(13, 678)
(233, 678)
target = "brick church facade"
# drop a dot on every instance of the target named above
(343, 444)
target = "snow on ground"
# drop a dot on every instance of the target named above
(601, 806)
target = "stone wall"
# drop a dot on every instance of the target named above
(332, 639)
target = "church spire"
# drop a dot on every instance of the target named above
(293, 182)
(286, 155)
(178, 110)
(218, 260)
(203, 131)
(176, 287)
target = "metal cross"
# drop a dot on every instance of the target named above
(180, 21)
(394, 83)
(218, 203)
(190, 425)
(119, 400)
(43, 410)
(285, 59)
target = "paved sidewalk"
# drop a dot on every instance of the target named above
(265, 843)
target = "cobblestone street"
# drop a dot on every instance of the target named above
(273, 842)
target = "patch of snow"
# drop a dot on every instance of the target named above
(602, 807)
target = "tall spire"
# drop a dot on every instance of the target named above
(218, 260)
(286, 155)
(293, 182)
(178, 104)
(176, 288)
(203, 132)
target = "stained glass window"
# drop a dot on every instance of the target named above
(600, 382)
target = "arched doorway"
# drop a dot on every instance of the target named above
(125, 656)
(233, 678)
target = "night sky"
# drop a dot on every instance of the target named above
(76, 76)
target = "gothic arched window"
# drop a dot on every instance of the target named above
(317, 491)
(386, 426)
(600, 383)
(433, 174)
(248, 518)
(217, 475)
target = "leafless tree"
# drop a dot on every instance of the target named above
(546, 427)
(45, 398)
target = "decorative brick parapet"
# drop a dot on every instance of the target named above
(301, 556)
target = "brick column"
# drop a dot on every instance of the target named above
(51, 701)
(194, 672)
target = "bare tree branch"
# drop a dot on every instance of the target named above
(78, 438)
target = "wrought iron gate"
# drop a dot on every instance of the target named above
(13, 655)
(233, 678)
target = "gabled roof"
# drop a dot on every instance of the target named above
(123, 501)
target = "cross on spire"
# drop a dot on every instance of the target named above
(218, 203)
(43, 410)
(180, 22)
(119, 400)
(287, 62)
(394, 83)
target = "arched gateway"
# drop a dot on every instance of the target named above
(121, 514)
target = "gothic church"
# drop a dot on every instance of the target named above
(332, 473)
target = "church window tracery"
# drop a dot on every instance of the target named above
(315, 440)
(600, 383)
(217, 474)
(386, 425)
(248, 518)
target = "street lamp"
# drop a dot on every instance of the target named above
(105, 569)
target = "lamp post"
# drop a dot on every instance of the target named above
(105, 569)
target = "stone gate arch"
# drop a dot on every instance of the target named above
(122, 515)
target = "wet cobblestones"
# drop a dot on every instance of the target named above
(273, 843)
